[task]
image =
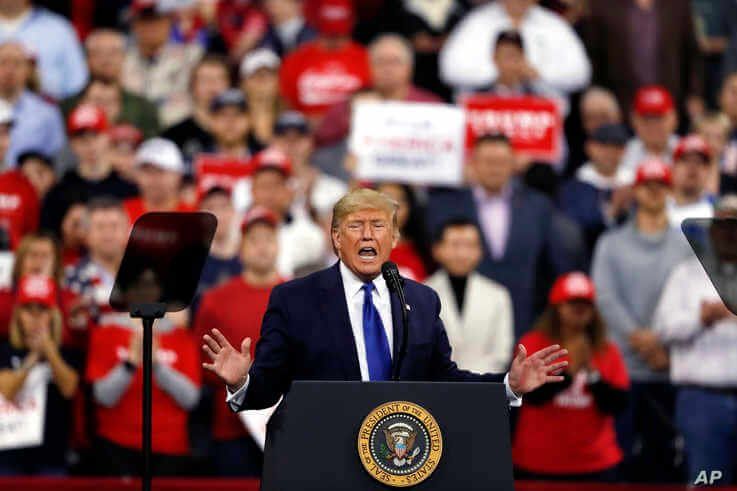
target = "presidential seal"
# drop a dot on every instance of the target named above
(400, 444)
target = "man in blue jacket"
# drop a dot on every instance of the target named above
(527, 242)
(342, 323)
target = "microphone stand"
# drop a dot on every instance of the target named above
(405, 330)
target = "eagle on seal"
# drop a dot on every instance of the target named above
(400, 438)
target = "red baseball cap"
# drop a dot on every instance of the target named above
(335, 17)
(211, 189)
(692, 144)
(87, 117)
(126, 134)
(149, 7)
(653, 100)
(572, 286)
(38, 289)
(653, 170)
(259, 214)
(272, 158)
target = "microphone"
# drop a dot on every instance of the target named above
(390, 272)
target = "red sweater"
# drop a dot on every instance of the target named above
(19, 206)
(313, 78)
(409, 262)
(235, 308)
(121, 424)
(569, 434)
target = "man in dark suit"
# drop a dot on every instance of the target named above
(527, 242)
(339, 323)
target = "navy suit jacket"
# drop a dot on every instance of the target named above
(306, 335)
(541, 245)
(583, 203)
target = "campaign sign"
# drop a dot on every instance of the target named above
(213, 170)
(533, 124)
(412, 143)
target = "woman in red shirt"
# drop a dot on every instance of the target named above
(409, 254)
(115, 372)
(566, 429)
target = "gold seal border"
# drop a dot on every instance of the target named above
(364, 443)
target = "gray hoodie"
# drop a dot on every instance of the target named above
(629, 271)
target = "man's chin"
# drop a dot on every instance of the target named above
(368, 269)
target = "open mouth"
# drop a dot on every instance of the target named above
(367, 253)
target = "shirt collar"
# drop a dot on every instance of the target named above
(590, 175)
(480, 195)
(353, 284)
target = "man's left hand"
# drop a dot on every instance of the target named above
(529, 373)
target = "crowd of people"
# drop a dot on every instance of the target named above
(109, 110)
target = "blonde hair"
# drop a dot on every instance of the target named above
(24, 248)
(365, 199)
(16, 332)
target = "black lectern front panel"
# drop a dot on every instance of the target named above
(347, 436)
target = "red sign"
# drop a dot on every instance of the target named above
(214, 170)
(533, 124)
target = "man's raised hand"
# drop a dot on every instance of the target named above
(228, 363)
(527, 373)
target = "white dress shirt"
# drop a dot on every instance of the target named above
(352, 286)
(635, 152)
(700, 355)
(703, 208)
(354, 299)
(551, 46)
(589, 174)
(494, 216)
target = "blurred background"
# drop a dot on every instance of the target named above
(543, 156)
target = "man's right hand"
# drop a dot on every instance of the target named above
(228, 363)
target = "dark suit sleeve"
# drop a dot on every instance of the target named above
(445, 369)
(270, 374)
(566, 244)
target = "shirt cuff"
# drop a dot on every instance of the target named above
(513, 399)
(234, 400)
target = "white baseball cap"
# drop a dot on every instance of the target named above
(6, 112)
(258, 59)
(161, 153)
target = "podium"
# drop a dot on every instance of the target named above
(360, 436)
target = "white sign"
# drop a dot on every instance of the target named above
(412, 143)
(22, 420)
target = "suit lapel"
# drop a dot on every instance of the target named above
(334, 308)
(516, 222)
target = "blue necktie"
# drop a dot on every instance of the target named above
(377, 346)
